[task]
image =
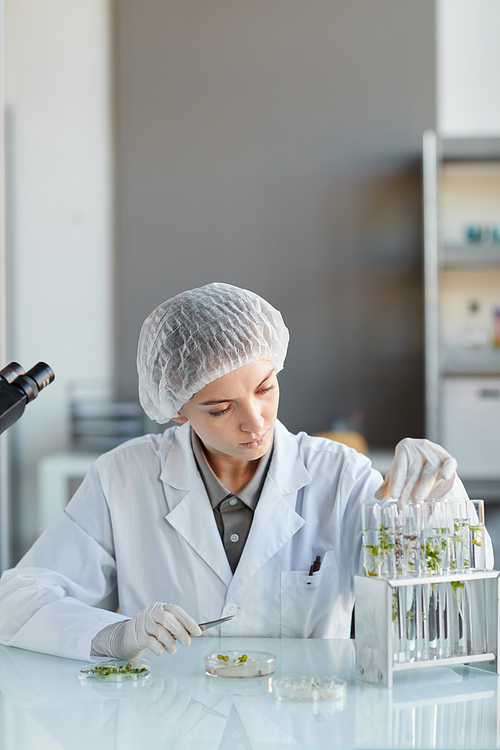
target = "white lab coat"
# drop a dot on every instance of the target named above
(142, 520)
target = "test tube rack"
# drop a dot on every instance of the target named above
(377, 658)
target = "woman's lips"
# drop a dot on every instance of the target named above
(255, 443)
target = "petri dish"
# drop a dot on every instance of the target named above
(240, 664)
(310, 689)
(116, 671)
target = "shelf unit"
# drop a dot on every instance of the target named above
(461, 183)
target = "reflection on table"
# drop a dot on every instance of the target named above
(44, 704)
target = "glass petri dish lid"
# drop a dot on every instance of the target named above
(240, 664)
(309, 688)
(116, 671)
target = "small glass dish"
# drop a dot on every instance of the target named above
(309, 688)
(116, 671)
(240, 663)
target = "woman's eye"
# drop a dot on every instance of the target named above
(219, 413)
(263, 391)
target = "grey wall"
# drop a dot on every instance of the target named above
(275, 144)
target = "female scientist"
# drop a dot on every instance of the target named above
(222, 514)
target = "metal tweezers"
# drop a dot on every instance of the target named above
(213, 623)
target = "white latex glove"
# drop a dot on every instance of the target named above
(156, 628)
(421, 470)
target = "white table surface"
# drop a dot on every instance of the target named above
(43, 705)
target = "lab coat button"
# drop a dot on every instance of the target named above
(231, 608)
(234, 537)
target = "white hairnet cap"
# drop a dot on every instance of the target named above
(199, 336)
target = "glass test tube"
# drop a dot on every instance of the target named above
(476, 535)
(430, 620)
(379, 532)
(475, 594)
(459, 537)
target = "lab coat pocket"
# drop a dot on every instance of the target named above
(305, 599)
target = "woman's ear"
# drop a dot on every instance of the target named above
(179, 418)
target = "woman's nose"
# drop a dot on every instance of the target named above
(253, 421)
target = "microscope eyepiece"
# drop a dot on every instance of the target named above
(33, 381)
(42, 374)
(18, 388)
(11, 372)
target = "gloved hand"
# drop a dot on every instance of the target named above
(157, 628)
(421, 470)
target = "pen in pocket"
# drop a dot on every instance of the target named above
(316, 565)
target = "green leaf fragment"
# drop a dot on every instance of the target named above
(394, 606)
(455, 585)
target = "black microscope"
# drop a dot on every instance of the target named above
(18, 388)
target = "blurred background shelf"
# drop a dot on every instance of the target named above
(471, 362)
(470, 256)
(462, 304)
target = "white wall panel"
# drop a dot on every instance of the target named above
(59, 197)
(468, 67)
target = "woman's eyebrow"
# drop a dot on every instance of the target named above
(226, 400)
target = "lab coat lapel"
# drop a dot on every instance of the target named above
(275, 519)
(190, 512)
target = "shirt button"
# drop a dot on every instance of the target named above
(233, 501)
(234, 537)
(231, 608)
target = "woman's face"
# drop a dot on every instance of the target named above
(235, 415)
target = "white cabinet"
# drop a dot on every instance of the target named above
(471, 425)
(462, 292)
